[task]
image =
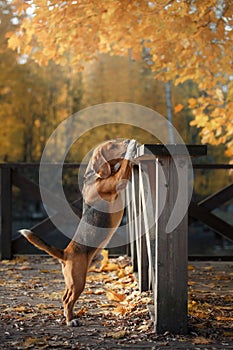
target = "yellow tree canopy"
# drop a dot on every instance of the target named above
(179, 40)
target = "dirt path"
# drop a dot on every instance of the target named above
(113, 314)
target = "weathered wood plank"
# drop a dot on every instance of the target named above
(27, 186)
(149, 151)
(5, 213)
(143, 282)
(218, 198)
(146, 223)
(33, 190)
(170, 289)
(130, 191)
(215, 223)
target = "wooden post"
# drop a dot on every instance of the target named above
(171, 255)
(5, 213)
(168, 171)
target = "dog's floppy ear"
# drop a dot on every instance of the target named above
(100, 165)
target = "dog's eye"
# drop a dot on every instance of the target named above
(113, 146)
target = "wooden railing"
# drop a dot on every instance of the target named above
(12, 175)
(202, 210)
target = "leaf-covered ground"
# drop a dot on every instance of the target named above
(113, 314)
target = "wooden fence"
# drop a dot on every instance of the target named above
(160, 258)
(12, 175)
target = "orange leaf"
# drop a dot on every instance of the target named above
(179, 108)
(110, 267)
(81, 311)
(111, 295)
(120, 309)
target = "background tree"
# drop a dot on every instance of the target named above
(33, 99)
(184, 40)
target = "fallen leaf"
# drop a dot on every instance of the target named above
(208, 268)
(45, 271)
(31, 342)
(228, 333)
(111, 295)
(128, 269)
(121, 273)
(110, 267)
(201, 340)
(116, 335)
(191, 283)
(144, 327)
(100, 265)
(106, 305)
(120, 309)
(224, 318)
(24, 268)
(20, 309)
(94, 291)
(82, 311)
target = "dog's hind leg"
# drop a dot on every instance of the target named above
(75, 278)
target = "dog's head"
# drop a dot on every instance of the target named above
(106, 156)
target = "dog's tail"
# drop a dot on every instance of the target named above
(39, 243)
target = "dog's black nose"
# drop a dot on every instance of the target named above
(127, 141)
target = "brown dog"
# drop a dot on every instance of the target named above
(106, 176)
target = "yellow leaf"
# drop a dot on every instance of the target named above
(37, 123)
(128, 270)
(192, 102)
(121, 273)
(144, 327)
(219, 94)
(191, 283)
(110, 267)
(14, 41)
(99, 291)
(200, 120)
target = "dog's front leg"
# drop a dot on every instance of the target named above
(124, 173)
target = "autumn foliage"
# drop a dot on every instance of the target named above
(178, 40)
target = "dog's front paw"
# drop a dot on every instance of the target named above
(131, 150)
(73, 323)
